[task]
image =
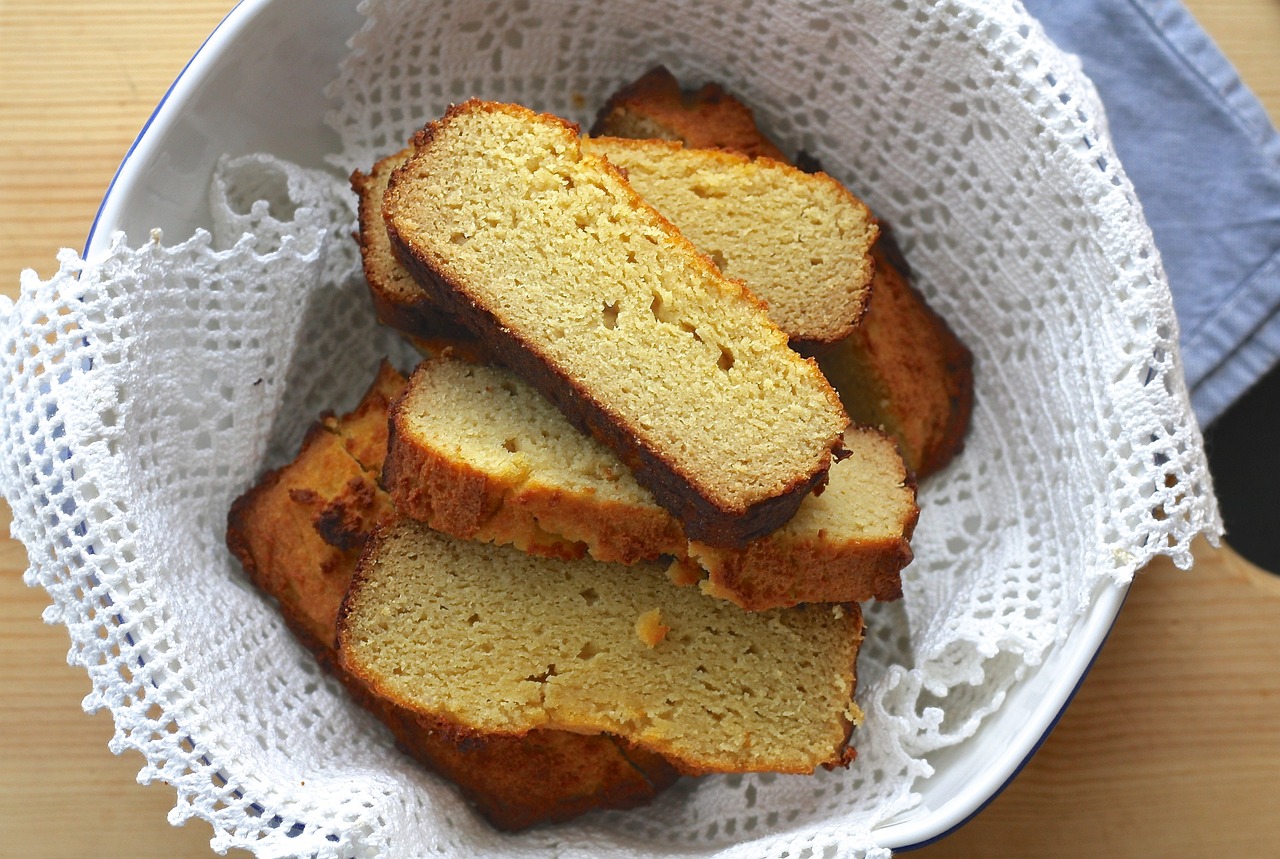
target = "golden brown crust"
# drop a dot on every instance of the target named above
(751, 578)
(521, 781)
(448, 495)
(434, 485)
(905, 370)
(703, 518)
(655, 106)
(786, 569)
(299, 533)
(398, 301)
(463, 501)
(364, 428)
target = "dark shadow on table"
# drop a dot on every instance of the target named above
(1244, 459)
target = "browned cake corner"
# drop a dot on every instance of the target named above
(299, 533)
(364, 428)
(850, 542)
(553, 645)
(584, 289)
(543, 776)
(398, 301)
(654, 106)
(801, 242)
(905, 370)
(478, 453)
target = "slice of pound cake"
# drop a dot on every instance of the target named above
(488, 640)
(903, 368)
(398, 301)
(299, 534)
(476, 452)
(799, 241)
(574, 281)
(654, 106)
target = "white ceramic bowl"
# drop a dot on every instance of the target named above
(257, 86)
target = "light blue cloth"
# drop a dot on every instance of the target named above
(1205, 160)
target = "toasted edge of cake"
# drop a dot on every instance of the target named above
(476, 452)
(487, 639)
(655, 106)
(579, 285)
(299, 533)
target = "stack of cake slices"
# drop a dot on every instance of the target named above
(615, 528)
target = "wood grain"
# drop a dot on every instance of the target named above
(1171, 748)
(80, 79)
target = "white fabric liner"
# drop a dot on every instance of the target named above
(143, 393)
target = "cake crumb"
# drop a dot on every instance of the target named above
(684, 572)
(649, 628)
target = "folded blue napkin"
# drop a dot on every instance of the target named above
(1205, 160)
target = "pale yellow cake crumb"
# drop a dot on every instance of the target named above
(649, 628)
(684, 572)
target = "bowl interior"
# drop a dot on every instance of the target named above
(258, 85)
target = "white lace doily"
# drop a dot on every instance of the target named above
(143, 393)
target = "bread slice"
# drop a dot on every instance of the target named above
(476, 452)
(491, 640)
(398, 301)
(299, 534)
(300, 530)
(654, 106)
(584, 289)
(903, 369)
(799, 241)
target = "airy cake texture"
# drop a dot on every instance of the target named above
(583, 288)
(476, 452)
(654, 106)
(799, 241)
(492, 640)
(903, 368)
(299, 533)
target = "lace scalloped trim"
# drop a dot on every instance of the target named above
(143, 393)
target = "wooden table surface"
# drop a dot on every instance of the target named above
(1171, 748)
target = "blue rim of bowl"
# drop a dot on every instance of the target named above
(1035, 747)
(235, 12)
(146, 126)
